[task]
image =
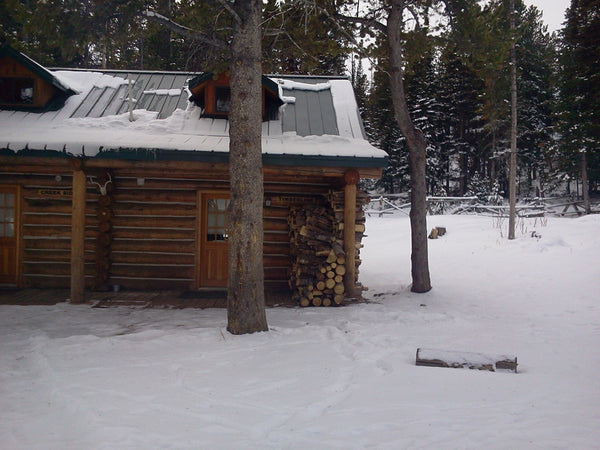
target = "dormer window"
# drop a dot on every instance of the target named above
(213, 95)
(16, 91)
(27, 86)
(222, 100)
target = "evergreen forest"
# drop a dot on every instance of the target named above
(457, 75)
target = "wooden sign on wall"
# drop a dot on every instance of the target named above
(55, 192)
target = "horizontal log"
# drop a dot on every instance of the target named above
(159, 271)
(276, 237)
(56, 268)
(53, 282)
(155, 196)
(161, 246)
(154, 222)
(276, 212)
(58, 219)
(52, 206)
(444, 358)
(146, 284)
(276, 261)
(150, 209)
(276, 248)
(126, 180)
(53, 231)
(153, 233)
(54, 244)
(152, 258)
(54, 255)
(276, 273)
(275, 224)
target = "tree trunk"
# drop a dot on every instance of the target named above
(585, 187)
(245, 294)
(512, 170)
(417, 153)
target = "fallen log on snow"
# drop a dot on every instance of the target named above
(480, 361)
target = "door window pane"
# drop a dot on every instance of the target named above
(7, 215)
(216, 220)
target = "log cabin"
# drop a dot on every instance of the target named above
(112, 177)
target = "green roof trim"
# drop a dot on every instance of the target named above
(223, 157)
(157, 154)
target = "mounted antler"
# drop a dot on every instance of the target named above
(102, 187)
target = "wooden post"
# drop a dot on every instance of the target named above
(351, 177)
(78, 234)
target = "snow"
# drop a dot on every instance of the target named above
(85, 81)
(300, 86)
(170, 92)
(345, 102)
(332, 378)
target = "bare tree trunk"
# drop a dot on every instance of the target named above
(512, 170)
(585, 188)
(417, 153)
(245, 293)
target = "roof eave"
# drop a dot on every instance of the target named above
(158, 154)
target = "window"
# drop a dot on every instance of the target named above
(216, 223)
(16, 90)
(7, 215)
(222, 100)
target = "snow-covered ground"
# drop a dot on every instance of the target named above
(73, 377)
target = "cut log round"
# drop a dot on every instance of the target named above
(340, 270)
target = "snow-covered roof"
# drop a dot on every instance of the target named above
(319, 119)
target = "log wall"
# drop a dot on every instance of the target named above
(153, 228)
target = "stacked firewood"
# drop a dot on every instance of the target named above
(317, 251)
(336, 200)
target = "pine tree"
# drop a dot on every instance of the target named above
(536, 54)
(580, 90)
(299, 38)
(460, 93)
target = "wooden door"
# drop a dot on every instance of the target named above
(9, 234)
(213, 240)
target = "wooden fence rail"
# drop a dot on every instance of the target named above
(536, 207)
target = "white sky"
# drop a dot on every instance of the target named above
(553, 11)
